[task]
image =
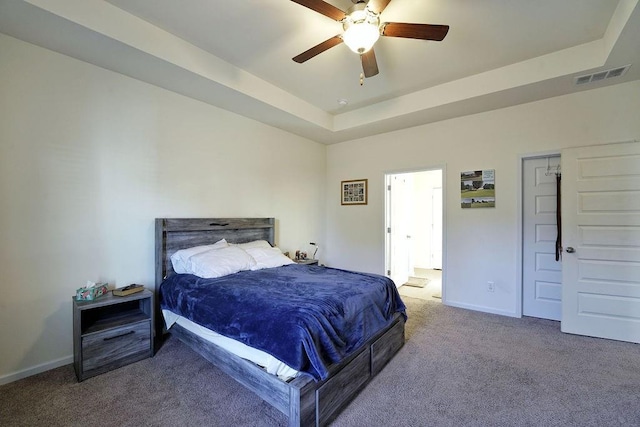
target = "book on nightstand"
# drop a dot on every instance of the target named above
(128, 290)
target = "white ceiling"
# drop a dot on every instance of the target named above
(237, 55)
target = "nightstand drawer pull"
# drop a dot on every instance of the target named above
(119, 336)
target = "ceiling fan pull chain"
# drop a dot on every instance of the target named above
(361, 79)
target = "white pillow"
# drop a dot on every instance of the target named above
(220, 262)
(180, 259)
(254, 244)
(268, 258)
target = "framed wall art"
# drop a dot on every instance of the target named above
(353, 192)
(478, 189)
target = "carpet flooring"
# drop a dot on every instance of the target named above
(457, 368)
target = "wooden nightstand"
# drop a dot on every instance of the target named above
(306, 261)
(111, 332)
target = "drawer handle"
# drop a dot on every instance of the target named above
(119, 336)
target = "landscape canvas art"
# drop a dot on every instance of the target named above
(478, 189)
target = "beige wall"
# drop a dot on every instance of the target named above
(88, 159)
(480, 244)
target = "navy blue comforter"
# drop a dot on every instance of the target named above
(306, 316)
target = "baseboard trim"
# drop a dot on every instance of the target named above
(480, 308)
(9, 378)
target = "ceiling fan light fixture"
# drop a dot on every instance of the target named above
(361, 37)
(361, 29)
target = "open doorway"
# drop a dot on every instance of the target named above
(414, 224)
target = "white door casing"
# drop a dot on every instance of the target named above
(436, 229)
(601, 238)
(541, 273)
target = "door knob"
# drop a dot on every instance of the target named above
(570, 250)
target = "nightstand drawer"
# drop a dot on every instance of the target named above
(114, 347)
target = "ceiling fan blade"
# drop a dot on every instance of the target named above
(377, 6)
(369, 64)
(415, 31)
(318, 49)
(323, 8)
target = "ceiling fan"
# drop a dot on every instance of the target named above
(362, 28)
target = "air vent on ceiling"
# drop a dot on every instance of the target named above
(601, 75)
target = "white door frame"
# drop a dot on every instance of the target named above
(439, 263)
(398, 219)
(443, 168)
(520, 201)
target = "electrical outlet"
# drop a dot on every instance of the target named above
(491, 286)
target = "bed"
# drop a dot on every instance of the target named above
(305, 400)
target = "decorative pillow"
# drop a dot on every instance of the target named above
(268, 257)
(220, 262)
(254, 244)
(180, 259)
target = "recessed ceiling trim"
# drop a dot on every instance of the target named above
(563, 63)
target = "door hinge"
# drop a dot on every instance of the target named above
(388, 272)
(388, 229)
(389, 187)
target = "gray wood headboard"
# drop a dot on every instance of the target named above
(173, 234)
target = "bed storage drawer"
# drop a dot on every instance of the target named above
(112, 348)
(342, 386)
(383, 349)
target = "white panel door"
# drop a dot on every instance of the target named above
(399, 220)
(601, 237)
(541, 273)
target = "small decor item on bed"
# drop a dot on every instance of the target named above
(91, 291)
(128, 290)
(354, 192)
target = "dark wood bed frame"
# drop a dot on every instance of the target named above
(305, 401)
